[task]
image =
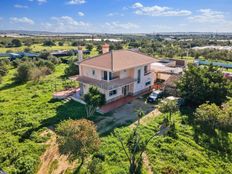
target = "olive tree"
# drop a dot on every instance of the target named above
(78, 138)
(168, 106)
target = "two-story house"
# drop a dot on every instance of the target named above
(116, 73)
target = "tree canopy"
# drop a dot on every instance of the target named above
(215, 117)
(201, 84)
(78, 138)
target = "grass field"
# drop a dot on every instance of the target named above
(191, 152)
(38, 48)
(24, 112)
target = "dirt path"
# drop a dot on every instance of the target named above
(144, 121)
(147, 164)
(52, 162)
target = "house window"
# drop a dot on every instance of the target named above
(145, 69)
(93, 72)
(139, 76)
(110, 76)
(113, 92)
(105, 75)
(148, 83)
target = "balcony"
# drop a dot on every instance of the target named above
(147, 73)
(104, 84)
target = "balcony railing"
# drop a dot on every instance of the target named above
(103, 83)
(147, 73)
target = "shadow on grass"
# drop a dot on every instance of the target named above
(216, 141)
(10, 85)
(68, 110)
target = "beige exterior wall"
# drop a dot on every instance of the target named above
(88, 72)
(144, 79)
(133, 73)
(163, 76)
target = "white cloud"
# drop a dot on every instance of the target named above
(118, 25)
(39, 1)
(208, 16)
(24, 20)
(137, 5)
(65, 24)
(20, 6)
(76, 2)
(115, 14)
(81, 13)
(140, 9)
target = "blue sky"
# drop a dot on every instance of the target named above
(117, 16)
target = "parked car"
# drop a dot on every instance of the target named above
(154, 96)
(179, 101)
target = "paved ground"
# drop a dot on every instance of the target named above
(124, 115)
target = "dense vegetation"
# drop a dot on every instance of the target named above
(164, 46)
(200, 84)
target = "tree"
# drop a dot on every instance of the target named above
(72, 69)
(168, 106)
(48, 43)
(201, 84)
(78, 138)
(27, 49)
(61, 43)
(215, 117)
(93, 99)
(208, 115)
(134, 146)
(16, 43)
(44, 55)
(89, 47)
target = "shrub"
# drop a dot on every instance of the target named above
(48, 43)
(44, 54)
(95, 167)
(25, 165)
(3, 70)
(27, 49)
(72, 69)
(0, 79)
(61, 43)
(16, 43)
(24, 72)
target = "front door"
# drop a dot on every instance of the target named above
(125, 90)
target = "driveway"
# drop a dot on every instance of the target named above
(123, 115)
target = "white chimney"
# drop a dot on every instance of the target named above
(105, 48)
(80, 54)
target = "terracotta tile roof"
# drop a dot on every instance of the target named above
(118, 60)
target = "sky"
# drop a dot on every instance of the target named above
(117, 16)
